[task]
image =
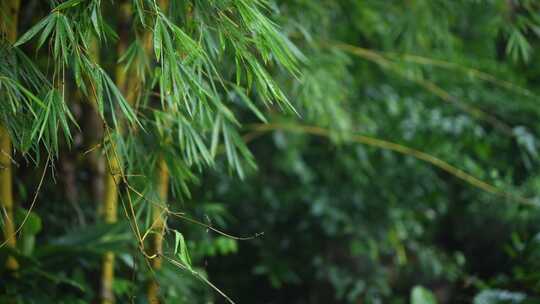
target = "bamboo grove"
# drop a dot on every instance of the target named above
(159, 112)
(132, 111)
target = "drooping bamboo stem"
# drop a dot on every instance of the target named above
(6, 175)
(391, 146)
(158, 227)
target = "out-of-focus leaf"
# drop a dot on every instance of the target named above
(421, 295)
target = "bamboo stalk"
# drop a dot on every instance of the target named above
(6, 174)
(107, 199)
(12, 15)
(158, 228)
(129, 88)
(6, 195)
(158, 218)
(109, 205)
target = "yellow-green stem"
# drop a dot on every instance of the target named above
(110, 201)
(6, 175)
(109, 209)
(158, 219)
(158, 227)
(6, 195)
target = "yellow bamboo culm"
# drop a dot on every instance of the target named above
(6, 176)
(158, 227)
(158, 220)
(6, 195)
(109, 205)
(9, 26)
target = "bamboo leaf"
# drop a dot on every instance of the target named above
(46, 32)
(33, 31)
(181, 250)
(67, 4)
(249, 104)
(157, 40)
(95, 21)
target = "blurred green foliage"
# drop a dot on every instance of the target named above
(333, 221)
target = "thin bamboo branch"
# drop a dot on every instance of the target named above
(510, 86)
(429, 86)
(387, 145)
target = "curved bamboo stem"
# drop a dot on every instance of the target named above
(387, 145)
(429, 86)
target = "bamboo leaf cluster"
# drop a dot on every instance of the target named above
(375, 126)
(166, 82)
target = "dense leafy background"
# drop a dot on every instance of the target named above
(343, 222)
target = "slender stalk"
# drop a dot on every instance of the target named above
(158, 219)
(6, 175)
(6, 195)
(158, 227)
(387, 145)
(12, 14)
(110, 201)
(107, 208)
(128, 88)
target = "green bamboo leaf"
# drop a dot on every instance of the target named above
(177, 238)
(215, 135)
(33, 31)
(67, 4)
(140, 11)
(57, 37)
(46, 32)
(95, 21)
(181, 250)
(30, 96)
(249, 104)
(157, 40)
(67, 28)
